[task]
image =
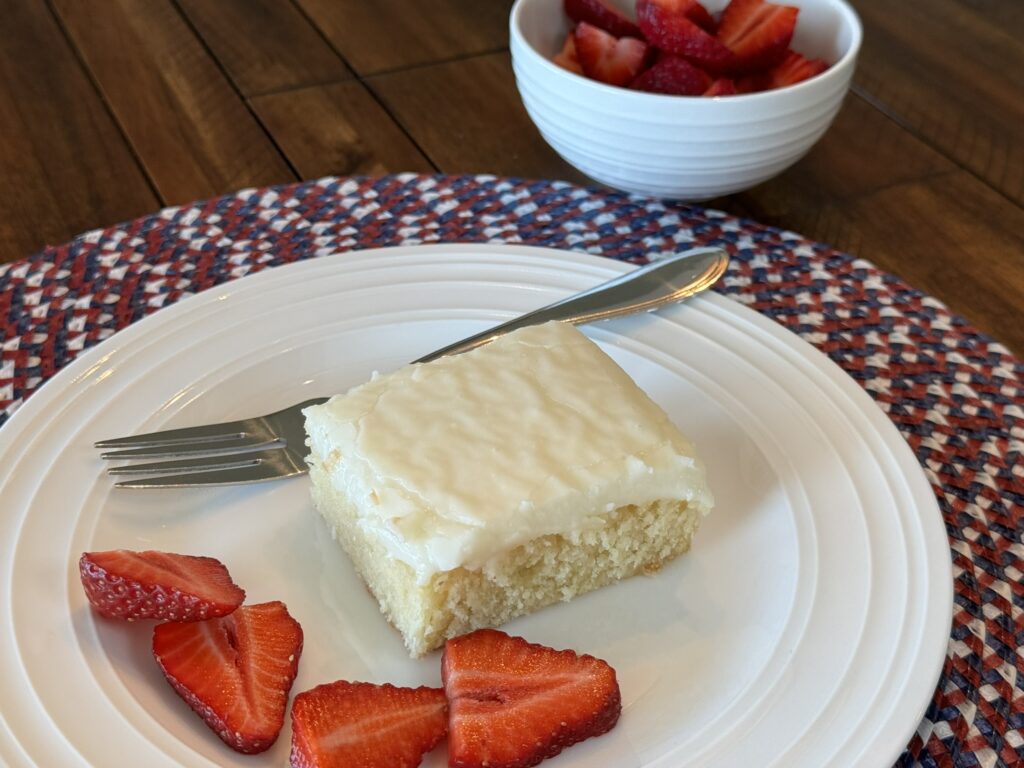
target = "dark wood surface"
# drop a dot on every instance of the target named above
(113, 108)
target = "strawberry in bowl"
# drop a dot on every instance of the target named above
(678, 47)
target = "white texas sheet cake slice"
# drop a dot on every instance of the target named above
(480, 487)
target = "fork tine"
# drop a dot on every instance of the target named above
(196, 464)
(205, 447)
(203, 433)
(252, 473)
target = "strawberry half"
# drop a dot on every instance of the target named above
(513, 704)
(567, 58)
(692, 10)
(235, 671)
(757, 32)
(122, 584)
(723, 86)
(702, 17)
(606, 58)
(793, 69)
(600, 15)
(362, 725)
(673, 75)
(667, 25)
(753, 83)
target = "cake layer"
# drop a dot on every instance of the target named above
(454, 463)
(532, 575)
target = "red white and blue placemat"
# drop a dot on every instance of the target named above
(956, 396)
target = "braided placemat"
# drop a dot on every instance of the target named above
(956, 396)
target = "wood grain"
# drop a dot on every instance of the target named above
(951, 74)
(65, 166)
(264, 45)
(337, 130)
(188, 126)
(467, 117)
(389, 34)
(873, 190)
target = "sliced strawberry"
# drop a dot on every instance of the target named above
(567, 58)
(600, 15)
(702, 17)
(723, 86)
(757, 32)
(343, 725)
(235, 671)
(753, 83)
(793, 69)
(667, 26)
(513, 704)
(673, 75)
(122, 584)
(606, 58)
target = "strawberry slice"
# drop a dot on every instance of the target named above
(513, 704)
(691, 9)
(122, 584)
(343, 724)
(702, 17)
(235, 671)
(606, 58)
(723, 86)
(668, 25)
(757, 32)
(567, 58)
(673, 75)
(793, 69)
(753, 83)
(600, 15)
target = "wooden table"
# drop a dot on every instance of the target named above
(110, 109)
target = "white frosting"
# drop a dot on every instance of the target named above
(458, 460)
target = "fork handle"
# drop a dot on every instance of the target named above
(642, 290)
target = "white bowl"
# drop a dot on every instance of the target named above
(681, 147)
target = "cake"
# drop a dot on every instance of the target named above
(480, 487)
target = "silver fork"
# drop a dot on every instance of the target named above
(273, 446)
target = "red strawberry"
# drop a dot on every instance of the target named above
(753, 83)
(605, 58)
(513, 704)
(700, 16)
(235, 671)
(723, 86)
(129, 585)
(361, 725)
(567, 58)
(673, 75)
(667, 26)
(793, 69)
(757, 32)
(600, 15)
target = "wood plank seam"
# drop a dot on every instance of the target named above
(434, 62)
(909, 127)
(399, 125)
(234, 86)
(302, 87)
(190, 127)
(362, 80)
(918, 177)
(90, 76)
(265, 45)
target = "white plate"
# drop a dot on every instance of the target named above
(806, 627)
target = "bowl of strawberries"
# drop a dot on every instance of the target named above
(683, 99)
